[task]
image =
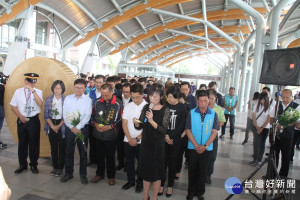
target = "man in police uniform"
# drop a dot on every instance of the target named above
(26, 104)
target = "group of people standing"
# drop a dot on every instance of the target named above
(139, 119)
(260, 121)
(153, 119)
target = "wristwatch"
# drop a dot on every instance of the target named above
(33, 91)
(137, 139)
(205, 146)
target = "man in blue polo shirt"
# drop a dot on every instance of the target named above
(200, 144)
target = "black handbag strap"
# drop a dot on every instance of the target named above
(259, 115)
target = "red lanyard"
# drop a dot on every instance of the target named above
(27, 99)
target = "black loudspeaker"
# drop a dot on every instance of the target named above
(281, 67)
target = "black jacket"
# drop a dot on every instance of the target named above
(112, 115)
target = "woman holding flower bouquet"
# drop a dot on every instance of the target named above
(261, 121)
(54, 126)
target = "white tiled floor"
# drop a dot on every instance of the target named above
(231, 161)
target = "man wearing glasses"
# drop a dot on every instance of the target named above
(120, 144)
(77, 102)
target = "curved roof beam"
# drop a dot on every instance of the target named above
(211, 16)
(88, 13)
(182, 59)
(226, 29)
(17, 9)
(127, 15)
(55, 27)
(201, 38)
(295, 43)
(186, 46)
(58, 14)
(6, 6)
(198, 46)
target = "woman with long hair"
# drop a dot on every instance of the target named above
(154, 121)
(55, 126)
(261, 121)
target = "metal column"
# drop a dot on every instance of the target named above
(260, 32)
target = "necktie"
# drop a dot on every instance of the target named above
(28, 103)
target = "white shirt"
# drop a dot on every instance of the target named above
(73, 104)
(263, 117)
(132, 110)
(98, 94)
(19, 100)
(253, 104)
(57, 104)
(125, 101)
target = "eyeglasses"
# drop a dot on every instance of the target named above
(79, 88)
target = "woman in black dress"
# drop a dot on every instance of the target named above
(154, 123)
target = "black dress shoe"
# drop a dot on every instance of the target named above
(200, 197)
(189, 197)
(139, 188)
(84, 180)
(34, 170)
(66, 178)
(20, 170)
(127, 186)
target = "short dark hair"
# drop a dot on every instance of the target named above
(61, 83)
(100, 76)
(201, 93)
(182, 95)
(106, 86)
(91, 78)
(203, 85)
(110, 79)
(159, 89)
(126, 85)
(137, 88)
(256, 96)
(132, 81)
(175, 91)
(212, 92)
(185, 83)
(267, 88)
(211, 84)
(80, 81)
(232, 88)
(142, 80)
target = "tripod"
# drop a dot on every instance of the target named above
(271, 167)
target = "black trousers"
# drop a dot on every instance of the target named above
(283, 145)
(183, 148)
(213, 157)
(232, 122)
(106, 150)
(58, 148)
(29, 138)
(120, 148)
(197, 173)
(295, 139)
(92, 141)
(171, 156)
(70, 150)
(132, 153)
